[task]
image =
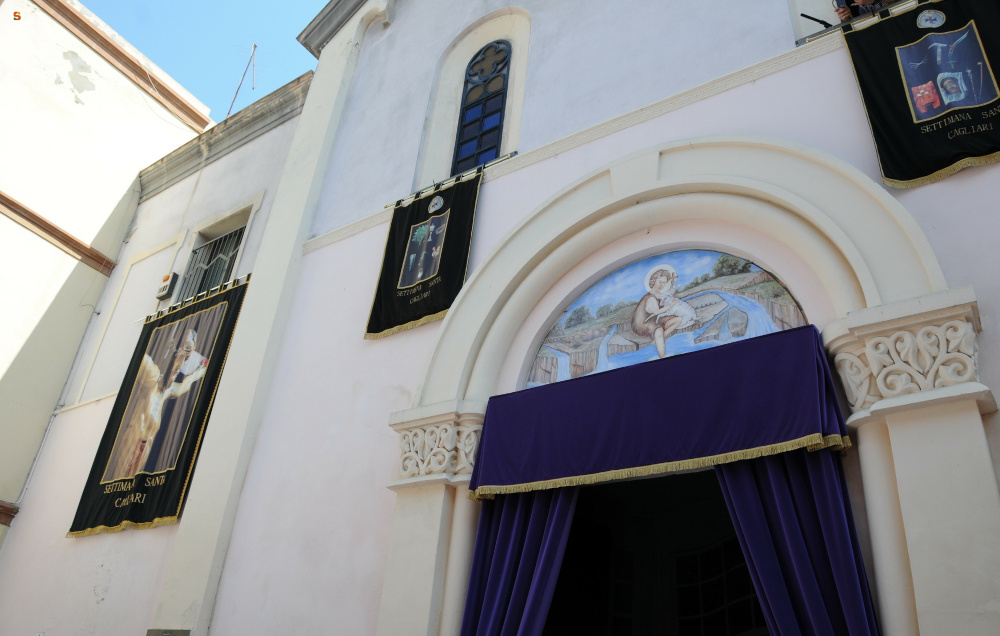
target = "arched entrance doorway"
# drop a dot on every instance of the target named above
(831, 235)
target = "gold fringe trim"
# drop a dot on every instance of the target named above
(124, 525)
(814, 442)
(410, 325)
(969, 162)
(167, 521)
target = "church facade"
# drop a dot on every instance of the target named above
(330, 492)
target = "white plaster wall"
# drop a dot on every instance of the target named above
(105, 584)
(159, 243)
(589, 61)
(81, 129)
(75, 132)
(110, 584)
(315, 493)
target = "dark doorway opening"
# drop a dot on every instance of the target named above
(654, 556)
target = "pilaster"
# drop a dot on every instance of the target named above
(910, 372)
(433, 530)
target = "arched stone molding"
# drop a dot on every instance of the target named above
(859, 243)
(438, 143)
(862, 271)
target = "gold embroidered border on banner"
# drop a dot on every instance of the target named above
(124, 525)
(444, 185)
(943, 173)
(814, 442)
(166, 521)
(410, 325)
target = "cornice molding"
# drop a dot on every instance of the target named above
(56, 236)
(327, 23)
(122, 59)
(748, 75)
(248, 124)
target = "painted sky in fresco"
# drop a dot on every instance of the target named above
(621, 285)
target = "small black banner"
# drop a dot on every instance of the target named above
(148, 452)
(926, 76)
(426, 257)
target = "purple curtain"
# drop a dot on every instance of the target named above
(794, 522)
(748, 398)
(519, 550)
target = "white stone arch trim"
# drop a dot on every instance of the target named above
(437, 146)
(868, 249)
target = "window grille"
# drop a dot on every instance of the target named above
(480, 121)
(211, 264)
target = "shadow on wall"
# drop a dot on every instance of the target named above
(31, 386)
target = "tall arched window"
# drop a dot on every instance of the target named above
(480, 120)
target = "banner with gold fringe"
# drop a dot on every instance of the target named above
(148, 452)
(927, 79)
(746, 399)
(426, 258)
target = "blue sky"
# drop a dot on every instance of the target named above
(205, 45)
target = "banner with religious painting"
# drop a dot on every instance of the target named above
(426, 258)
(927, 79)
(148, 452)
(662, 306)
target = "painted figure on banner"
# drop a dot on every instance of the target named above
(423, 251)
(945, 71)
(163, 396)
(662, 306)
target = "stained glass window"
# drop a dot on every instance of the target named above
(481, 120)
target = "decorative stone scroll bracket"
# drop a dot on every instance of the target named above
(906, 347)
(439, 440)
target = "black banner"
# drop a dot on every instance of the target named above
(148, 452)
(926, 76)
(426, 257)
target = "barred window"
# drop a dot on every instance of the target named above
(480, 121)
(211, 264)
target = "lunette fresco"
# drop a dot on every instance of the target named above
(661, 306)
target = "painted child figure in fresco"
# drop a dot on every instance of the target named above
(152, 390)
(658, 315)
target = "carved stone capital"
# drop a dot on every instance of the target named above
(908, 347)
(438, 441)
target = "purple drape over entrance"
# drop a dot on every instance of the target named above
(519, 550)
(793, 519)
(750, 408)
(746, 399)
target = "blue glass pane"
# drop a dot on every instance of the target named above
(491, 138)
(488, 155)
(472, 113)
(467, 149)
(470, 131)
(465, 164)
(494, 103)
(491, 121)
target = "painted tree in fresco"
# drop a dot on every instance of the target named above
(728, 265)
(579, 316)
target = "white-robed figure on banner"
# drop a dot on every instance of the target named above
(151, 391)
(659, 314)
